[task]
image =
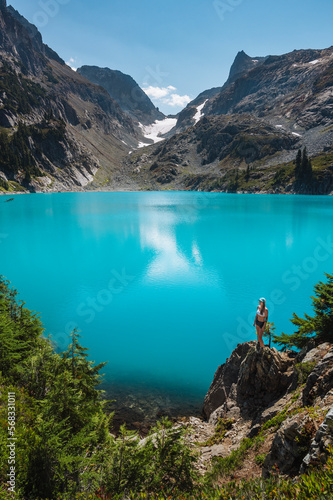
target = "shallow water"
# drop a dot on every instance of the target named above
(163, 285)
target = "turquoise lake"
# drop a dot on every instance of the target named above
(163, 285)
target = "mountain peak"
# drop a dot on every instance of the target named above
(242, 64)
(242, 54)
(3, 4)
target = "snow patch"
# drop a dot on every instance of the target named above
(314, 61)
(279, 126)
(156, 129)
(199, 113)
(295, 133)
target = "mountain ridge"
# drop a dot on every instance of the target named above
(125, 91)
(240, 137)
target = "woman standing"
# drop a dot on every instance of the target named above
(260, 320)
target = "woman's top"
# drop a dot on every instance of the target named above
(261, 314)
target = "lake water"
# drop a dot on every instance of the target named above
(163, 285)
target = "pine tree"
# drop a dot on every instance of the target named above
(303, 168)
(298, 163)
(247, 175)
(304, 161)
(20, 331)
(309, 172)
(317, 328)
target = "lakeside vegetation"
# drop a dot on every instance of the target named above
(64, 448)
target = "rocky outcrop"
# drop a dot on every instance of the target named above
(320, 380)
(248, 382)
(284, 398)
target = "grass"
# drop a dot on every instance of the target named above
(223, 425)
(223, 466)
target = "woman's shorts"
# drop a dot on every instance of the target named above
(260, 323)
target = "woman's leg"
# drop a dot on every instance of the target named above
(259, 335)
(260, 332)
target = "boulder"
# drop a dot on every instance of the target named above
(320, 380)
(225, 376)
(319, 446)
(290, 445)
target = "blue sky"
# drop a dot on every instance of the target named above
(177, 48)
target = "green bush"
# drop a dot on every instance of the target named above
(303, 370)
(259, 460)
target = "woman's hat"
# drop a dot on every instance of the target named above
(262, 299)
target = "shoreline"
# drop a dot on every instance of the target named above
(139, 407)
(11, 194)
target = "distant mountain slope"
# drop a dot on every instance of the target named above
(73, 132)
(199, 106)
(194, 110)
(125, 91)
(245, 135)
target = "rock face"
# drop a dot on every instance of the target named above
(296, 86)
(262, 391)
(125, 91)
(322, 440)
(188, 116)
(248, 382)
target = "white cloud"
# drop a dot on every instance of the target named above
(71, 63)
(177, 100)
(156, 92)
(166, 95)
